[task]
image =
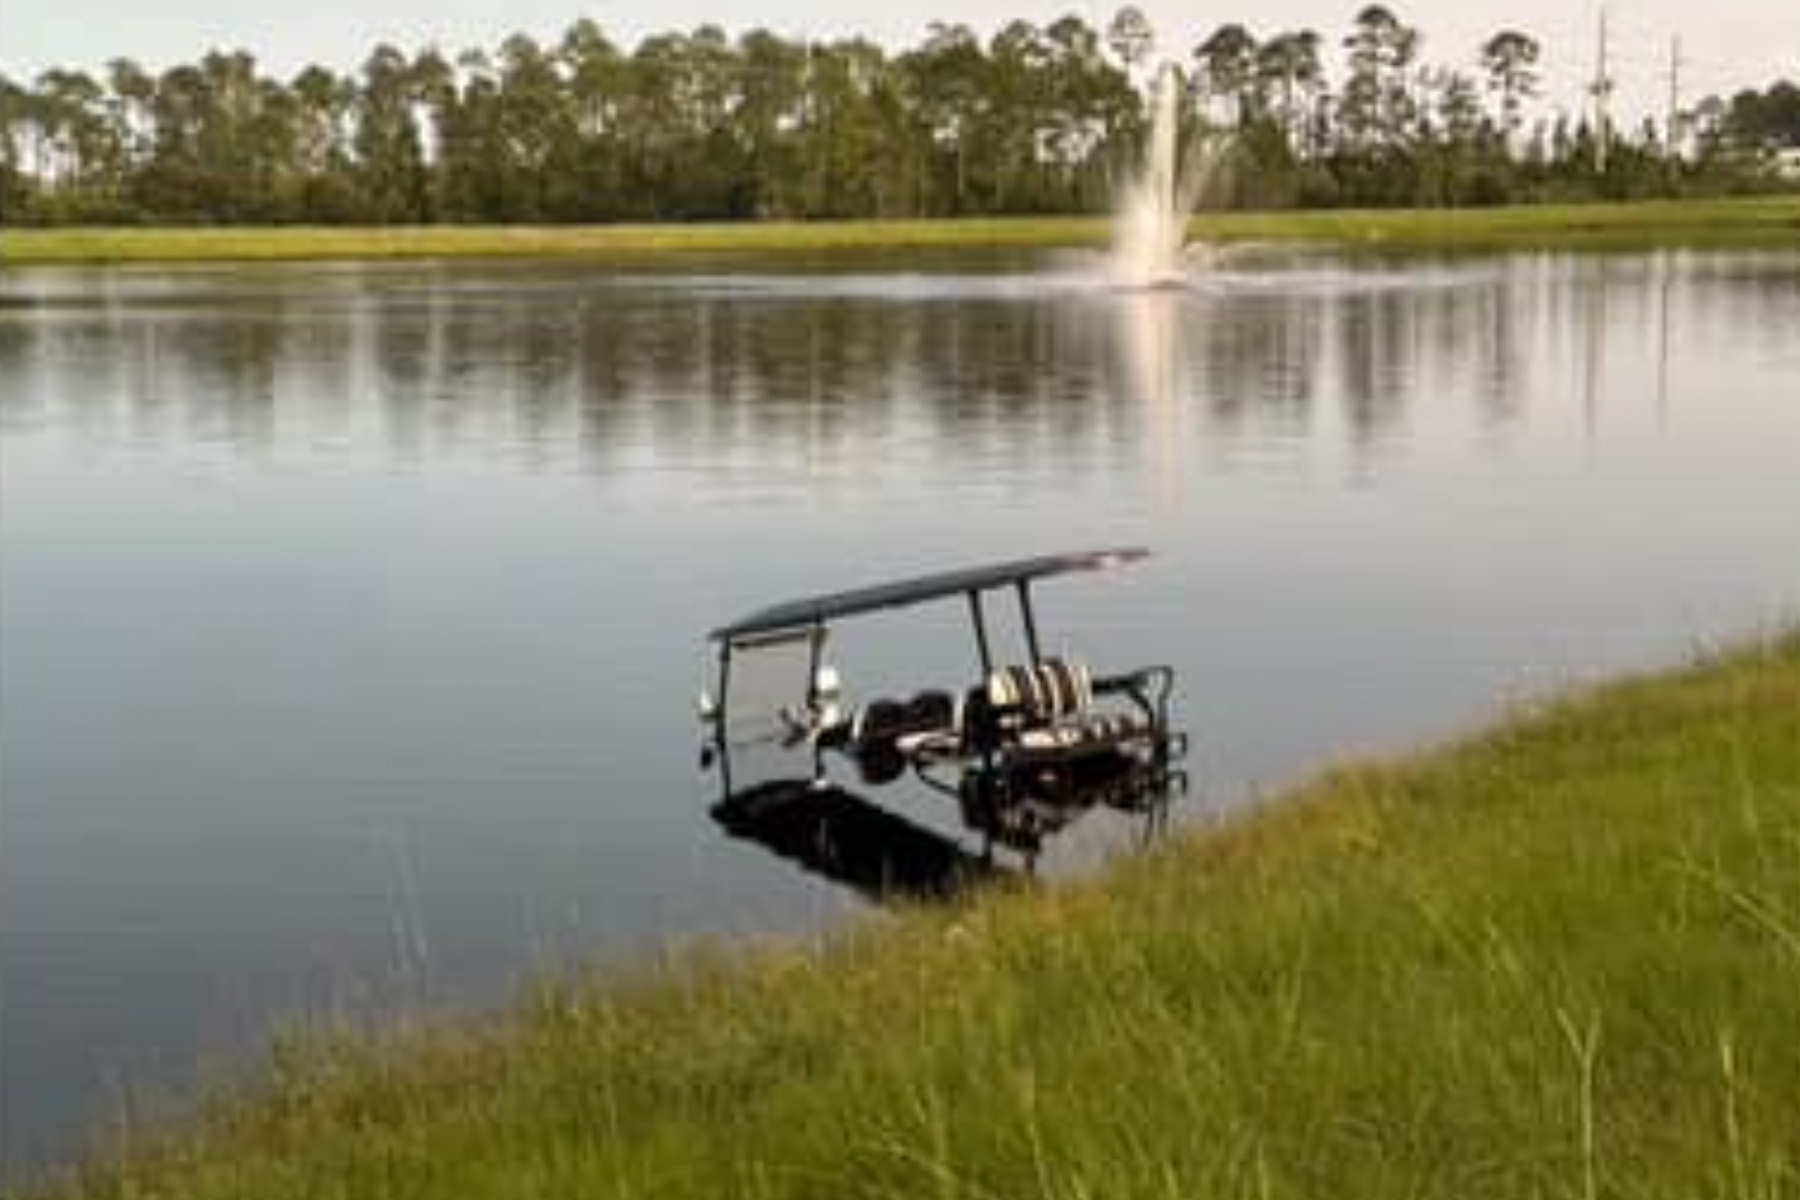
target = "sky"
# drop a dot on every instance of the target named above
(1725, 44)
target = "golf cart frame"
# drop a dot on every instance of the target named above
(1025, 749)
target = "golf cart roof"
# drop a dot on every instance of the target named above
(808, 611)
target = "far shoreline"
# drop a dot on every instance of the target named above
(1750, 222)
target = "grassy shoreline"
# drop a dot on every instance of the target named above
(1558, 957)
(1760, 221)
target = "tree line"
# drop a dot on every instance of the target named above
(690, 126)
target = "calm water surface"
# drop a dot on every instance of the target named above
(352, 615)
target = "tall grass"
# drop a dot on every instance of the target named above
(1560, 959)
(1768, 220)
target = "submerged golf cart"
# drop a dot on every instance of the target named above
(1024, 747)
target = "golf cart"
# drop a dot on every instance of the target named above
(1024, 749)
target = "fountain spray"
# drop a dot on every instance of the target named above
(1151, 227)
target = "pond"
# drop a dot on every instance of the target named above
(353, 615)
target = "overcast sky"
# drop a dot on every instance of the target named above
(1726, 43)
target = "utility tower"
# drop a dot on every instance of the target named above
(1601, 89)
(1672, 123)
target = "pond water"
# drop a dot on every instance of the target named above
(353, 615)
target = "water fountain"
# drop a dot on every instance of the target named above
(1151, 227)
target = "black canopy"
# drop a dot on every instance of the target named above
(813, 610)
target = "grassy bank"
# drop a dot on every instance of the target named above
(1558, 959)
(1711, 222)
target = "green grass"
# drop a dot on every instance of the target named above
(1762, 221)
(1559, 959)
(1757, 221)
(535, 241)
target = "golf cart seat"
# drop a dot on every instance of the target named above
(887, 734)
(1047, 713)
